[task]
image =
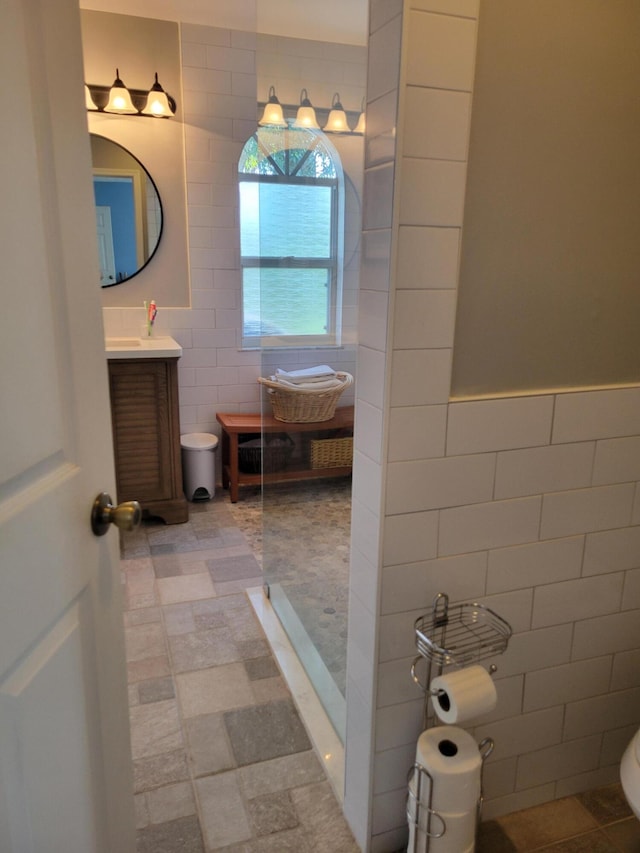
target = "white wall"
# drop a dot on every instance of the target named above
(227, 14)
(530, 505)
(337, 22)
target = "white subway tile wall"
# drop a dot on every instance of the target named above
(385, 46)
(374, 816)
(531, 505)
(543, 469)
(368, 431)
(432, 483)
(432, 370)
(417, 432)
(437, 123)
(380, 136)
(499, 424)
(428, 257)
(424, 313)
(441, 50)
(432, 192)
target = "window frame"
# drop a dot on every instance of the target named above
(289, 175)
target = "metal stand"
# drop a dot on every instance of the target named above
(449, 636)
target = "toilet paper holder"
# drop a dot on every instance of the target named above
(437, 691)
(415, 797)
(456, 635)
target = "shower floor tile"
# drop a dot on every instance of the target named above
(317, 513)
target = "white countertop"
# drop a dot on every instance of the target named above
(153, 347)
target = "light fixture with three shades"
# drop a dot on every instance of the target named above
(305, 116)
(120, 100)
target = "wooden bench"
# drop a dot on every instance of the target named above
(235, 424)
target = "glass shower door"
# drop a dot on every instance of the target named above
(293, 256)
(305, 535)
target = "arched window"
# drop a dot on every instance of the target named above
(291, 223)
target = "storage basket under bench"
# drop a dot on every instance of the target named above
(331, 452)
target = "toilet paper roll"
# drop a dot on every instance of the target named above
(459, 834)
(463, 694)
(453, 832)
(452, 759)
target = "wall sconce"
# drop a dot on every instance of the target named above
(89, 103)
(157, 102)
(272, 115)
(304, 115)
(362, 121)
(119, 100)
(337, 121)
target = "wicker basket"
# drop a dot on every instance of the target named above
(331, 452)
(271, 455)
(305, 405)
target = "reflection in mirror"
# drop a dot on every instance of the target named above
(128, 211)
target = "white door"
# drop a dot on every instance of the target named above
(65, 767)
(106, 255)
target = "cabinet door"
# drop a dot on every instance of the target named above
(142, 435)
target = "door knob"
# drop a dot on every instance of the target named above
(125, 516)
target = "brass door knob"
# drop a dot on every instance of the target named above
(126, 516)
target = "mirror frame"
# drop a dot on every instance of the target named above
(97, 171)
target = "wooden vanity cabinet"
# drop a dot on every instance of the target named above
(146, 435)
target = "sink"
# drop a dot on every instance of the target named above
(153, 347)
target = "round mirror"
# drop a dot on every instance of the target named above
(128, 211)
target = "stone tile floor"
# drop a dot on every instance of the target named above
(222, 761)
(598, 821)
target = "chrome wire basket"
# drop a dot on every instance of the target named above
(461, 634)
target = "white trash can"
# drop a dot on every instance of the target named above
(199, 465)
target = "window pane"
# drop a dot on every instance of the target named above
(274, 151)
(250, 157)
(285, 301)
(285, 220)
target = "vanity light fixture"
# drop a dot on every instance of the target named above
(157, 102)
(337, 121)
(306, 115)
(273, 115)
(119, 100)
(89, 103)
(362, 121)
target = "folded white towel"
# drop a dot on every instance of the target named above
(307, 374)
(316, 385)
(310, 381)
